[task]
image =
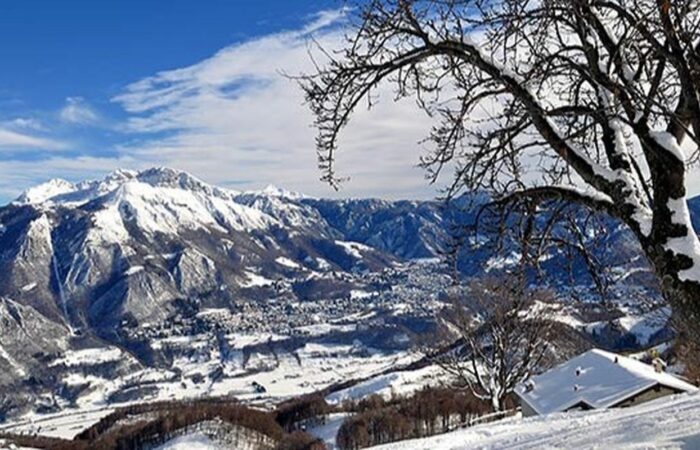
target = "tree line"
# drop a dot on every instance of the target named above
(142, 426)
(427, 412)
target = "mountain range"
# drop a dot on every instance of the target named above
(127, 247)
(136, 259)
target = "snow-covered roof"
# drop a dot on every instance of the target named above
(598, 378)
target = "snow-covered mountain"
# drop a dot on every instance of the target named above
(129, 246)
(109, 262)
(143, 284)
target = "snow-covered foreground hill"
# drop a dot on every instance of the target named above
(668, 423)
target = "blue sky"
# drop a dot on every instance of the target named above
(93, 48)
(90, 86)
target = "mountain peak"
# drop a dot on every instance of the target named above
(45, 192)
(273, 191)
(121, 175)
(173, 178)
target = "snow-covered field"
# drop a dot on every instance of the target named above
(195, 441)
(393, 383)
(329, 430)
(62, 425)
(319, 366)
(667, 423)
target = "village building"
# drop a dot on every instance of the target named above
(597, 379)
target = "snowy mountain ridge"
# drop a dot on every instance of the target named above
(58, 191)
(62, 192)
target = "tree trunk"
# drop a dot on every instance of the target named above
(496, 403)
(684, 298)
(682, 295)
(676, 271)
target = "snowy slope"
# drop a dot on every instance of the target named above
(196, 441)
(668, 423)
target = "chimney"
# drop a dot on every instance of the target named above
(659, 365)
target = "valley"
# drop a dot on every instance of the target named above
(152, 286)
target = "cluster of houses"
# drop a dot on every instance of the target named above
(598, 379)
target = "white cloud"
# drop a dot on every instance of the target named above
(13, 140)
(78, 111)
(235, 118)
(24, 123)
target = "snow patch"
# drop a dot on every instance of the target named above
(329, 429)
(274, 191)
(356, 294)
(194, 441)
(687, 245)
(645, 326)
(283, 261)
(396, 383)
(669, 142)
(28, 287)
(89, 356)
(133, 270)
(108, 227)
(353, 248)
(255, 280)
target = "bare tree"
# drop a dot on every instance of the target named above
(534, 231)
(592, 101)
(501, 333)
